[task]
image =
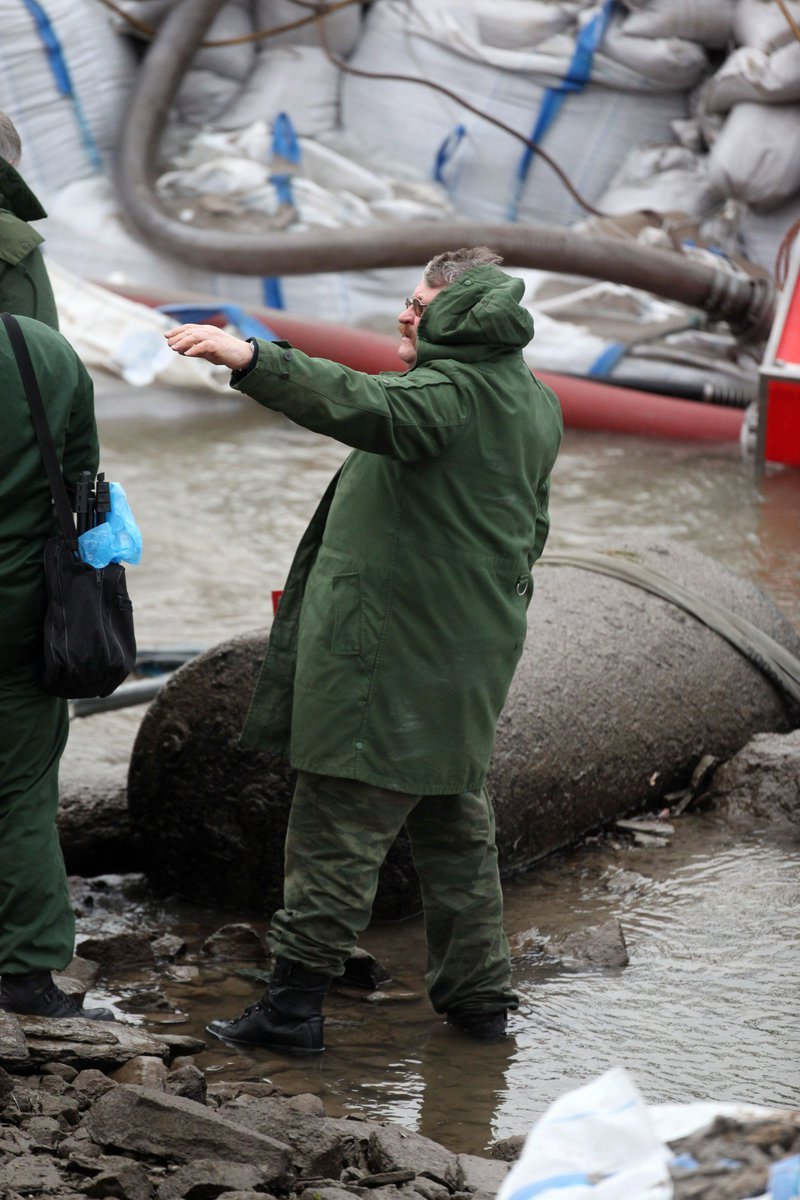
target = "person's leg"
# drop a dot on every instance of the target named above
(339, 833)
(37, 925)
(469, 968)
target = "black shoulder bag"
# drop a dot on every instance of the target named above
(89, 643)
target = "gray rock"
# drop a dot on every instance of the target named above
(235, 942)
(482, 1176)
(30, 1174)
(143, 1121)
(178, 1043)
(206, 1179)
(760, 786)
(320, 1149)
(393, 1148)
(6, 1086)
(90, 1084)
(118, 1177)
(617, 696)
(118, 950)
(14, 1053)
(598, 946)
(83, 1043)
(430, 1190)
(189, 1081)
(168, 946)
(45, 1132)
(84, 970)
(145, 1069)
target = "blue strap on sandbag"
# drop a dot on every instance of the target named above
(577, 76)
(606, 360)
(61, 75)
(446, 151)
(199, 314)
(285, 144)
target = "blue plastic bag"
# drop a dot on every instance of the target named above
(118, 538)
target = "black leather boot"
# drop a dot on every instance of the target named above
(483, 1026)
(288, 1016)
(36, 995)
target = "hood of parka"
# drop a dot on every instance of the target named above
(477, 317)
(16, 196)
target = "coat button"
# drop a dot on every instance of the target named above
(287, 354)
(284, 375)
(359, 745)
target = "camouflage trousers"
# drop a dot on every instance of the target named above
(37, 927)
(339, 833)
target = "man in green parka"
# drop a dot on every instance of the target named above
(397, 636)
(37, 926)
(24, 283)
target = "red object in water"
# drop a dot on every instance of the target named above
(780, 376)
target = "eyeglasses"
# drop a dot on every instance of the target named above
(416, 304)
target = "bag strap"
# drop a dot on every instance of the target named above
(63, 507)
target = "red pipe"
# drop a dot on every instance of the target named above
(585, 403)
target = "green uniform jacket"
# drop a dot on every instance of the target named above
(404, 614)
(24, 283)
(26, 518)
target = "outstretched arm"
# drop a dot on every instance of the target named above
(209, 342)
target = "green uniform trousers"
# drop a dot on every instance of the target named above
(339, 833)
(37, 926)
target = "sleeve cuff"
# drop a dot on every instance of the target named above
(243, 372)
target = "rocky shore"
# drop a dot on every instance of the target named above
(106, 1110)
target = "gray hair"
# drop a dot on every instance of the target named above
(10, 145)
(445, 268)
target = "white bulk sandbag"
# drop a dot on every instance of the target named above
(400, 126)
(756, 157)
(516, 24)
(761, 233)
(665, 178)
(455, 25)
(86, 233)
(342, 27)
(709, 22)
(750, 74)
(217, 73)
(668, 64)
(298, 80)
(145, 12)
(66, 134)
(760, 23)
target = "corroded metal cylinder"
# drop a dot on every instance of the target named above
(617, 696)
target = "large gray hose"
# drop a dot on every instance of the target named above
(746, 304)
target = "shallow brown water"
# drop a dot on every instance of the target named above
(708, 1007)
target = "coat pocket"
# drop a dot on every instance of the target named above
(346, 592)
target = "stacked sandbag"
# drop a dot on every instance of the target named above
(566, 72)
(65, 79)
(742, 143)
(270, 63)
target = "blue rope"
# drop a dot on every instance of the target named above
(61, 75)
(577, 76)
(446, 151)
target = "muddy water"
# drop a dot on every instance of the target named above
(708, 1007)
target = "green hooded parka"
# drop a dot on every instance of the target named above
(404, 613)
(25, 288)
